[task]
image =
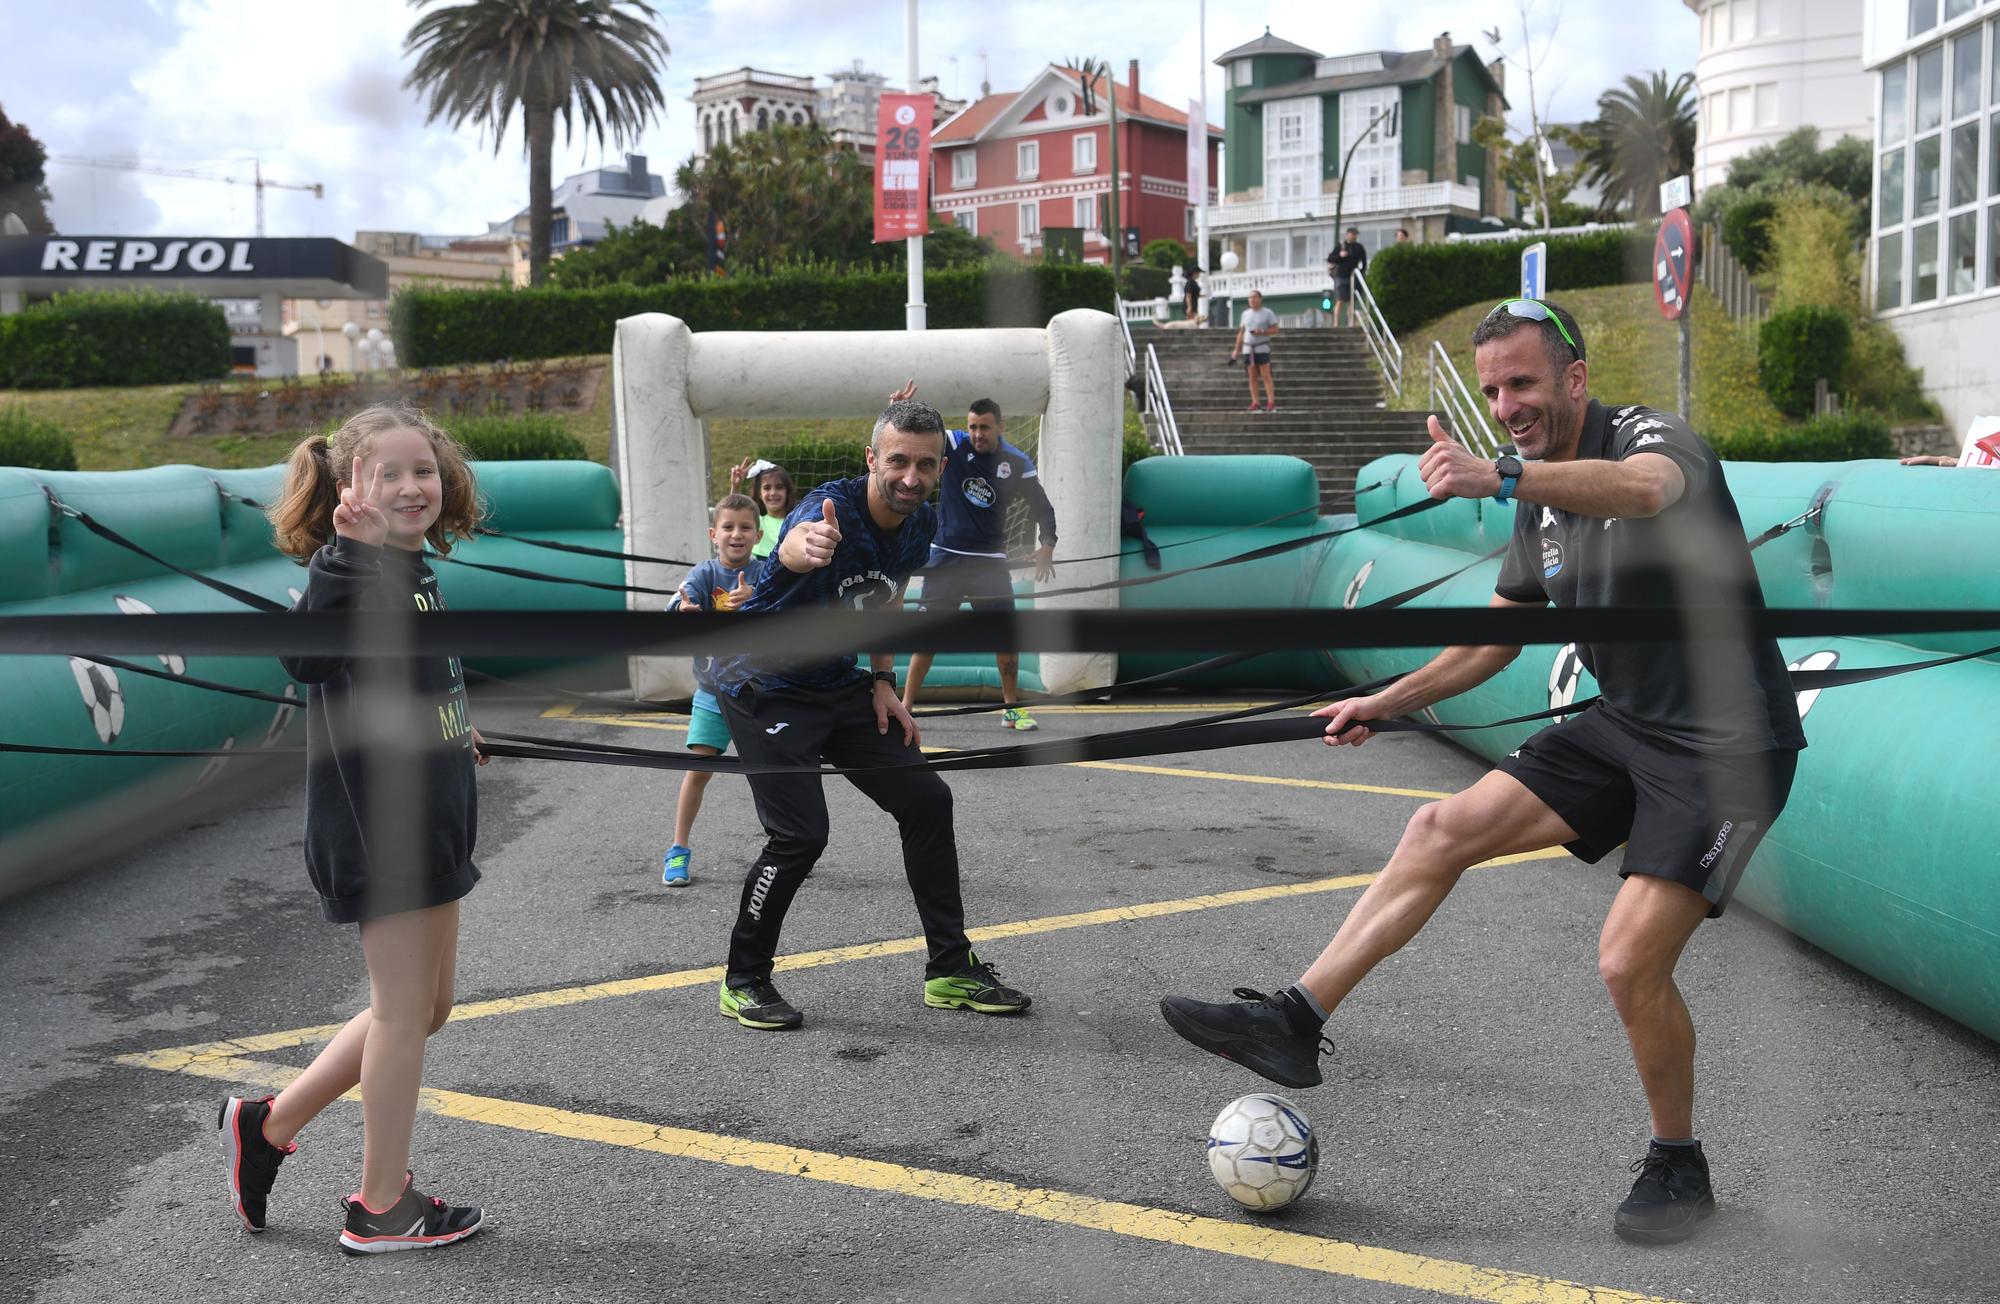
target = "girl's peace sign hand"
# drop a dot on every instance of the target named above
(357, 517)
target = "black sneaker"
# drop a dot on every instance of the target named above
(253, 1161)
(975, 987)
(415, 1222)
(1670, 1197)
(758, 1005)
(1255, 1031)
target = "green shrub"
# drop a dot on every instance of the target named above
(92, 338)
(1746, 229)
(1797, 347)
(1143, 282)
(1137, 448)
(1165, 254)
(30, 442)
(814, 459)
(436, 327)
(529, 437)
(1418, 283)
(1825, 439)
(1881, 379)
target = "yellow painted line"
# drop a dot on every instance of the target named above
(1243, 1240)
(1273, 780)
(188, 1058)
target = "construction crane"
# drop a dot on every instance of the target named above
(257, 178)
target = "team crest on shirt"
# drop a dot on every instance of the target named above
(978, 492)
(1552, 558)
(1004, 470)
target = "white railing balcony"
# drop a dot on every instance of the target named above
(1431, 197)
(1276, 280)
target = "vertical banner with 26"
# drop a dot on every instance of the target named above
(902, 167)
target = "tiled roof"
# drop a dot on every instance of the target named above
(983, 113)
(974, 118)
(1266, 44)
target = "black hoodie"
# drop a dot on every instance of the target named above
(391, 808)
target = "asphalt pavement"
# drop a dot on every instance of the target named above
(629, 1143)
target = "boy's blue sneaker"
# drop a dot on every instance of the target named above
(676, 872)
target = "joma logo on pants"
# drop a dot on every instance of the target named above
(1721, 837)
(762, 890)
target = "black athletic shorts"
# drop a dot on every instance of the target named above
(954, 578)
(1690, 817)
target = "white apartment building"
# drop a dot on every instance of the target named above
(1769, 67)
(749, 99)
(1934, 257)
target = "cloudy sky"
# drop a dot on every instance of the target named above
(314, 89)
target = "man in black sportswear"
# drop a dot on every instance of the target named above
(1687, 758)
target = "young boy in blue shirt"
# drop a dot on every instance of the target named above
(721, 583)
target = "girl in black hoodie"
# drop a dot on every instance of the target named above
(391, 810)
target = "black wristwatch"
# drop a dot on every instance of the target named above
(888, 677)
(1509, 467)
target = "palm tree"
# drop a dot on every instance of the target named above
(1642, 135)
(598, 59)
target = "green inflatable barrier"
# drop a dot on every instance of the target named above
(51, 565)
(1885, 854)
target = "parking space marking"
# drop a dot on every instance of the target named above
(1245, 1240)
(189, 1058)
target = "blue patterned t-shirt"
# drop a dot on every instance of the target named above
(868, 571)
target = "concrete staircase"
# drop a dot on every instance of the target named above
(1330, 401)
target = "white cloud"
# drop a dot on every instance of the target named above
(315, 90)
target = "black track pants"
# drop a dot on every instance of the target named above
(801, 727)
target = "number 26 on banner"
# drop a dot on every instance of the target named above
(902, 166)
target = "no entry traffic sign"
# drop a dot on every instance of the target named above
(1673, 263)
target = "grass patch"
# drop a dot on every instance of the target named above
(1633, 357)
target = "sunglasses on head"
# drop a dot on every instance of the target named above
(1536, 310)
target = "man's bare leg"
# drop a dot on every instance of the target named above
(1496, 816)
(1648, 927)
(920, 665)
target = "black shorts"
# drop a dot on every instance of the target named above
(953, 578)
(1343, 288)
(1689, 817)
(1257, 357)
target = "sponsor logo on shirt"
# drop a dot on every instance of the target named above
(1552, 558)
(978, 492)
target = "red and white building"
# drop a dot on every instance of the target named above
(1011, 165)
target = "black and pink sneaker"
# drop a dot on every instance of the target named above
(253, 1161)
(415, 1222)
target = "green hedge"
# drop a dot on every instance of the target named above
(31, 442)
(1418, 283)
(1798, 346)
(444, 327)
(118, 337)
(529, 437)
(1143, 282)
(1826, 439)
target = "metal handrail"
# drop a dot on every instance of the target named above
(1162, 406)
(1450, 396)
(1118, 311)
(1382, 340)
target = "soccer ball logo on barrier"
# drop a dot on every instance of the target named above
(102, 697)
(1262, 1151)
(1353, 594)
(175, 664)
(1568, 668)
(1813, 661)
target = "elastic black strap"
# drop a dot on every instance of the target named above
(109, 535)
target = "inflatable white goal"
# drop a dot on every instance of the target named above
(669, 379)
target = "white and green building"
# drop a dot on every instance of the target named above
(1290, 117)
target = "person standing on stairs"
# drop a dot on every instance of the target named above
(1253, 345)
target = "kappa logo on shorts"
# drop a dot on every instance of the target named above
(1721, 837)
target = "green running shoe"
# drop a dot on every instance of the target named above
(758, 1005)
(1015, 718)
(975, 987)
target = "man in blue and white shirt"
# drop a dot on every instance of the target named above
(983, 474)
(852, 544)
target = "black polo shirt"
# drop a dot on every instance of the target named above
(1710, 695)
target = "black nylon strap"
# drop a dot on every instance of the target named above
(109, 535)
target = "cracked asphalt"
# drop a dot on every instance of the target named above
(1477, 1116)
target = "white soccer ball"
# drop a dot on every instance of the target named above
(1262, 1151)
(175, 664)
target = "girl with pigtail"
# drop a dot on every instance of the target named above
(391, 808)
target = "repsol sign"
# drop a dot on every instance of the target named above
(301, 267)
(118, 255)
